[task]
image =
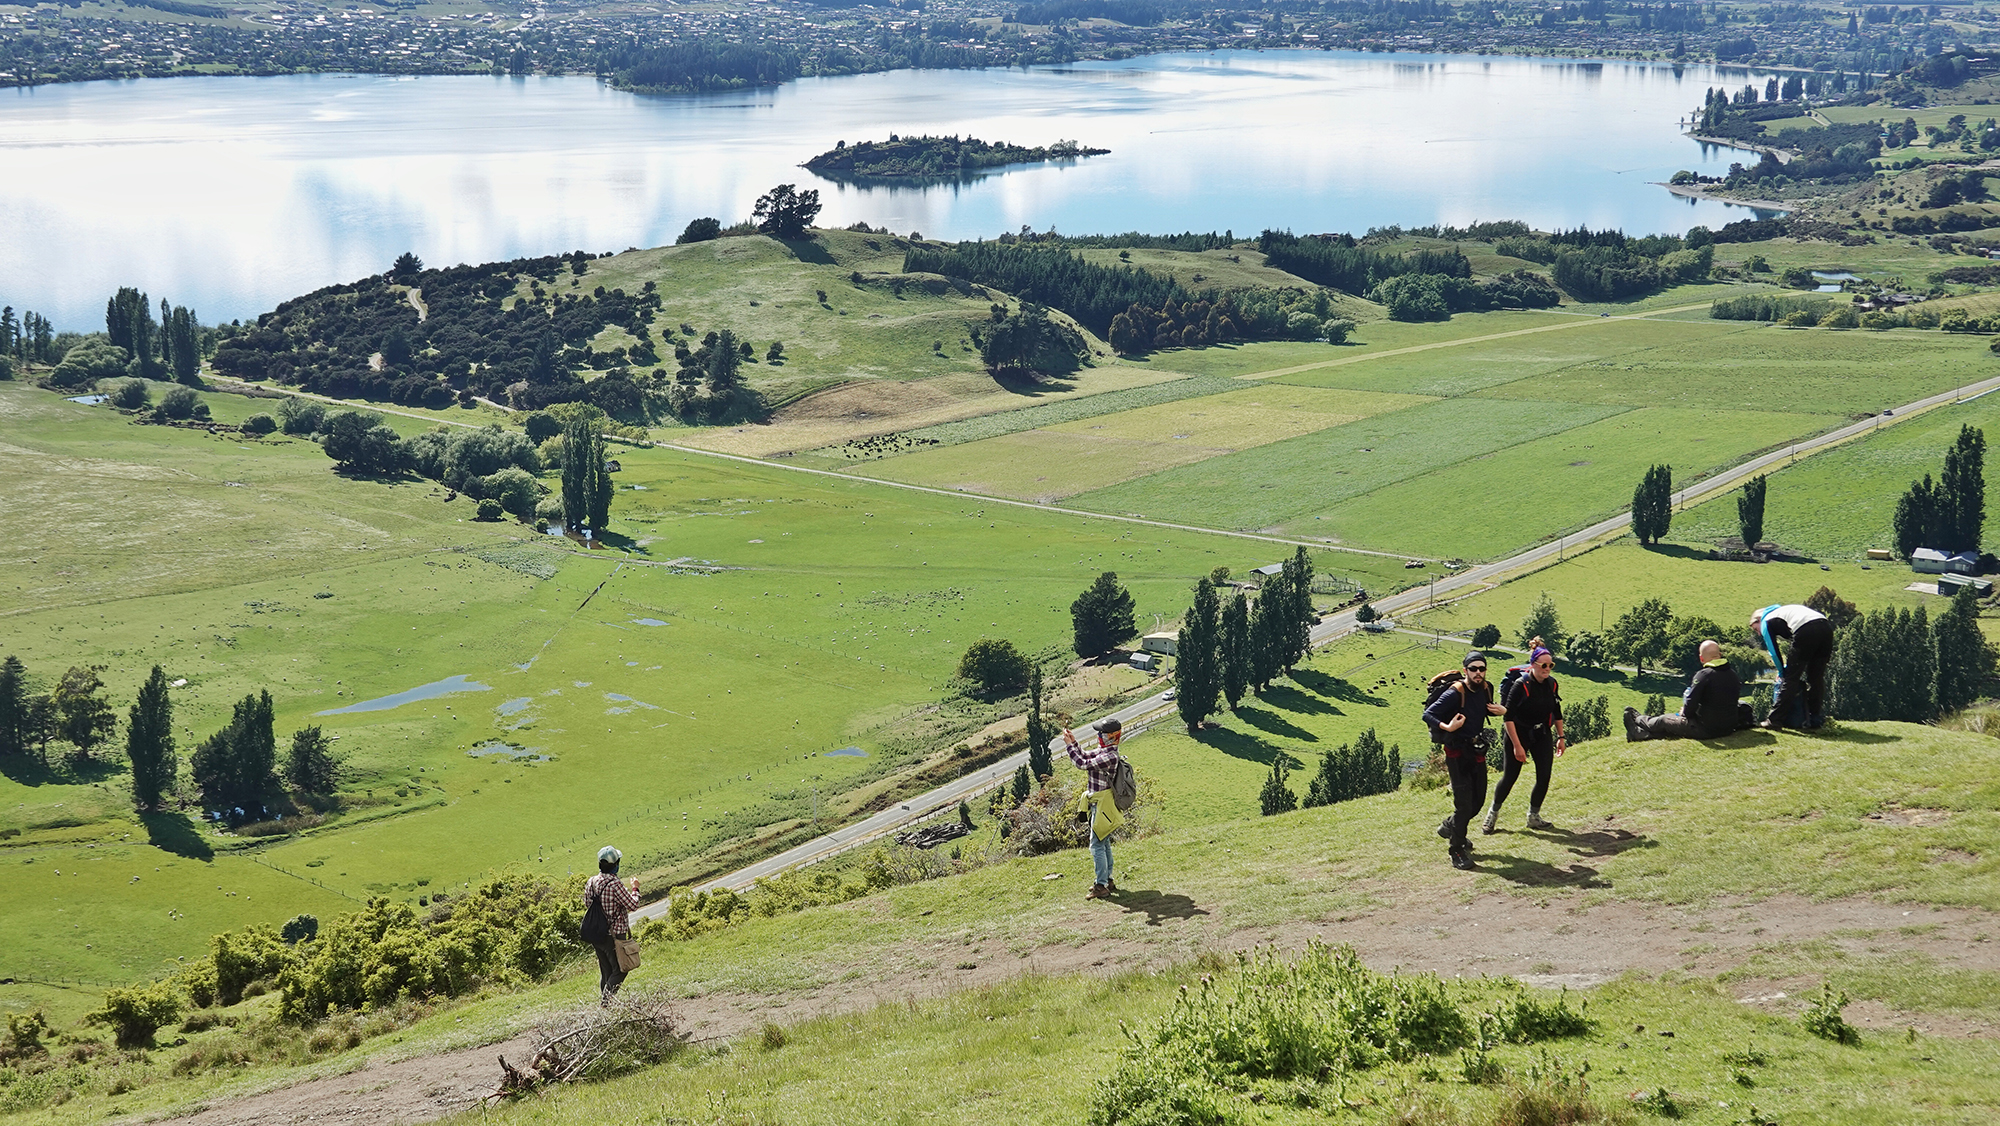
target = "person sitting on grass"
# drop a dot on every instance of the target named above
(1100, 765)
(1708, 707)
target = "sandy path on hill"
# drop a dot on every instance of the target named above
(1552, 942)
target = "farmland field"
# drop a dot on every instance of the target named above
(602, 686)
(1072, 457)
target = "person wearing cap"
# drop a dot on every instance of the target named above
(1459, 715)
(1534, 726)
(1708, 707)
(1100, 767)
(1802, 679)
(617, 902)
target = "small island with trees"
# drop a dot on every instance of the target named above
(934, 158)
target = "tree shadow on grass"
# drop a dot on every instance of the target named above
(1157, 906)
(30, 770)
(808, 250)
(1293, 700)
(175, 833)
(1335, 688)
(623, 543)
(1239, 744)
(1274, 723)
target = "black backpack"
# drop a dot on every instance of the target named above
(1434, 690)
(1519, 675)
(596, 927)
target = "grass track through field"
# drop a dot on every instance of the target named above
(1404, 351)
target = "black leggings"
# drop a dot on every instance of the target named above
(1468, 795)
(1542, 749)
(609, 976)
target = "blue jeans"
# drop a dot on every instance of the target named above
(1100, 852)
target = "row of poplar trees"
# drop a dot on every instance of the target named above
(236, 766)
(1224, 651)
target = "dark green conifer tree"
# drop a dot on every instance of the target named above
(1197, 675)
(149, 742)
(1237, 666)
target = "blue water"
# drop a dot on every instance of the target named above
(508, 750)
(647, 622)
(846, 752)
(260, 189)
(514, 706)
(448, 686)
(90, 400)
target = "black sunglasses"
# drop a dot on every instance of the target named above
(1475, 668)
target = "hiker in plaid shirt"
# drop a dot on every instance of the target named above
(1100, 765)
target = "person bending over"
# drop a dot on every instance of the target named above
(1708, 707)
(1802, 679)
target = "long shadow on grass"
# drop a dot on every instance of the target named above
(1335, 688)
(1275, 724)
(27, 770)
(1240, 744)
(1293, 700)
(176, 834)
(1157, 906)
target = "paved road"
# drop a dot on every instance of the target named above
(1136, 718)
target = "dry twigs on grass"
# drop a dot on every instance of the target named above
(596, 1042)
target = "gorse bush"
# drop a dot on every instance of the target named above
(1822, 1017)
(1524, 1019)
(1587, 720)
(1321, 1015)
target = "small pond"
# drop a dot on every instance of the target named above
(446, 687)
(90, 400)
(510, 751)
(846, 752)
(647, 622)
(515, 705)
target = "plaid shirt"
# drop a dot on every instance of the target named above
(617, 904)
(1100, 764)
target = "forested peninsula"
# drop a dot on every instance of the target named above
(934, 158)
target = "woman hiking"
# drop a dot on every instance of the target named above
(1100, 765)
(610, 895)
(1534, 726)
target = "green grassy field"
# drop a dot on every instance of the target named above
(838, 606)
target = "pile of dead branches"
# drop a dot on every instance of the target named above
(635, 1031)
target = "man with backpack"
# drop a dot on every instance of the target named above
(607, 922)
(1102, 766)
(1457, 715)
(1802, 679)
(1708, 708)
(1534, 727)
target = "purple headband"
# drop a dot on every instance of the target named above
(1538, 654)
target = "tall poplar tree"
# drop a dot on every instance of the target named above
(1960, 655)
(1237, 668)
(149, 742)
(13, 707)
(1653, 504)
(1298, 608)
(1962, 491)
(1750, 512)
(1197, 675)
(82, 718)
(1041, 760)
(1266, 638)
(586, 487)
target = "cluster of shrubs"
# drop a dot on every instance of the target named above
(480, 336)
(1435, 297)
(503, 932)
(1346, 772)
(1291, 1031)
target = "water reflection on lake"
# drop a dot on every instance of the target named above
(260, 189)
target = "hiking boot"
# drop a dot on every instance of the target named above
(1462, 861)
(1097, 891)
(1111, 887)
(1535, 820)
(1772, 725)
(1632, 732)
(1491, 825)
(1444, 829)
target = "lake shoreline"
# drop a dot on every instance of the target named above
(1686, 191)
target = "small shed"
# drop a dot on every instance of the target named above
(1268, 571)
(1929, 561)
(611, 465)
(1145, 662)
(1949, 585)
(1164, 643)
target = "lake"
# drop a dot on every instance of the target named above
(232, 194)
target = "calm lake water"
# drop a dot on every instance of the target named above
(232, 194)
